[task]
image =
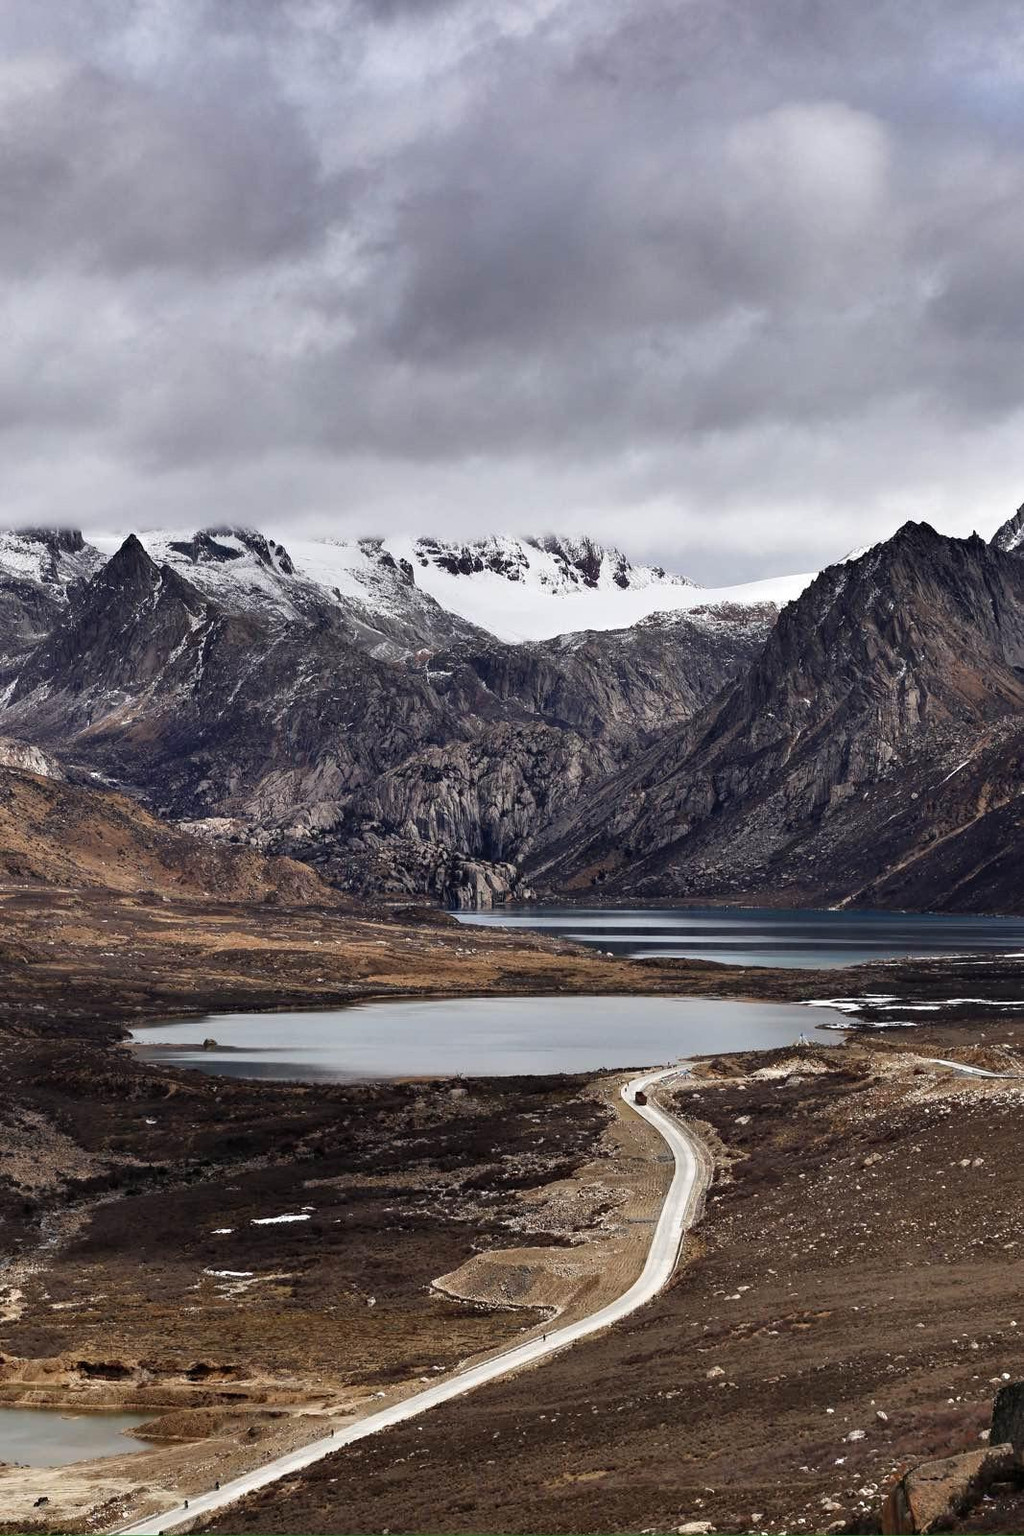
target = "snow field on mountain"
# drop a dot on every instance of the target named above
(524, 592)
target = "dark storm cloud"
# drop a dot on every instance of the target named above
(704, 276)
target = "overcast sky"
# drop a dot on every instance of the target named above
(739, 283)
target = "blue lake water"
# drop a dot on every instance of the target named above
(477, 1036)
(759, 936)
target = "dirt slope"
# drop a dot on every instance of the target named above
(59, 834)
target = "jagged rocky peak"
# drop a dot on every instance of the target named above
(921, 624)
(117, 633)
(1010, 536)
(131, 554)
(222, 545)
(129, 572)
(132, 577)
(917, 644)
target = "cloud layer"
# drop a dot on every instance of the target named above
(733, 283)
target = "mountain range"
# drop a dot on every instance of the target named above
(471, 720)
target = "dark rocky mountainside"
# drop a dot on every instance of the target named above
(283, 726)
(871, 753)
(867, 747)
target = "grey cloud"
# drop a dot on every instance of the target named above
(695, 271)
(100, 173)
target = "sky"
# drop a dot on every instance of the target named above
(734, 284)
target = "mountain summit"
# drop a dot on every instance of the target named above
(794, 777)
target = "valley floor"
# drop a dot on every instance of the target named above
(858, 1253)
(848, 1306)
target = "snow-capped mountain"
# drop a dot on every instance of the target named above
(340, 700)
(359, 583)
(1010, 536)
(426, 591)
(38, 568)
(535, 589)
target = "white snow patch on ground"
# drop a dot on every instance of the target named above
(976, 1002)
(840, 1004)
(273, 1221)
(878, 1000)
(956, 770)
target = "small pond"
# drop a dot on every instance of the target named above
(54, 1437)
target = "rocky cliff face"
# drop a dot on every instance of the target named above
(804, 775)
(609, 685)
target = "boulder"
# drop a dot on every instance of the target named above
(934, 1494)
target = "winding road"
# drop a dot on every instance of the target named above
(677, 1214)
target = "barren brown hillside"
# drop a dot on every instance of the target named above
(59, 834)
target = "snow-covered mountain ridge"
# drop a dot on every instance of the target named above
(49, 556)
(514, 589)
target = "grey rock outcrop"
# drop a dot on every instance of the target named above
(933, 1495)
(24, 758)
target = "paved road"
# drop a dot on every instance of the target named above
(959, 1066)
(676, 1215)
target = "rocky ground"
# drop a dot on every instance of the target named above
(849, 1304)
(136, 1271)
(859, 1251)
